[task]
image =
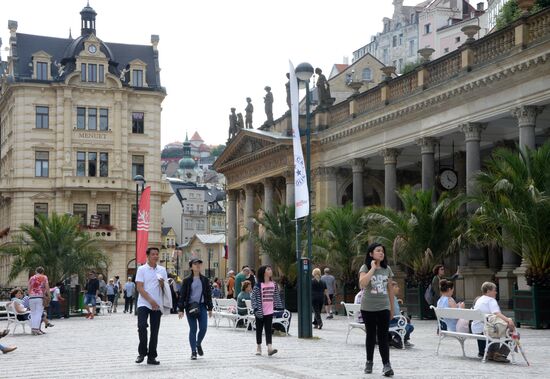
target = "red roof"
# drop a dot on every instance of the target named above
(196, 137)
(341, 66)
(204, 147)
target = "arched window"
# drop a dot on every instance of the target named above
(366, 74)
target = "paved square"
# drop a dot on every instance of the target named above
(107, 346)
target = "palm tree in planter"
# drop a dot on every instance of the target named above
(57, 244)
(337, 244)
(419, 236)
(278, 241)
(514, 196)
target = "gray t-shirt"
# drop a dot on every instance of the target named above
(196, 290)
(329, 282)
(375, 297)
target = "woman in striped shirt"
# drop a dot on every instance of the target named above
(265, 300)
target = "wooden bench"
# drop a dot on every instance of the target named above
(353, 311)
(471, 315)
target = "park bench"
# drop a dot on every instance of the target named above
(227, 309)
(3, 310)
(353, 311)
(471, 315)
(12, 319)
(105, 306)
(283, 320)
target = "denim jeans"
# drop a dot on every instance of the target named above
(202, 322)
(54, 310)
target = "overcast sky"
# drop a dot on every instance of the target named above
(213, 54)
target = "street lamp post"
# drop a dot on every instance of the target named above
(304, 71)
(140, 181)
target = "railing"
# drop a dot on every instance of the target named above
(339, 113)
(369, 100)
(406, 85)
(538, 26)
(444, 68)
(493, 45)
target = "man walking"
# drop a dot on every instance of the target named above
(231, 284)
(92, 289)
(129, 289)
(149, 281)
(330, 282)
(117, 293)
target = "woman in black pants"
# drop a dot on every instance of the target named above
(377, 304)
(265, 301)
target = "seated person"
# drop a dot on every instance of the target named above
(446, 288)
(488, 305)
(216, 293)
(395, 339)
(22, 313)
(246, 289)
(357, 300)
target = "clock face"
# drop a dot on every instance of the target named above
(448, 179)
(92, 49)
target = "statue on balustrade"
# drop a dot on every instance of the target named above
(323, 89)
(248, 113)
(233, 124)
(287, 85)
(268, 100)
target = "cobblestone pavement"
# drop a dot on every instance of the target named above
(107, 346)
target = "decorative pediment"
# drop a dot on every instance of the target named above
(249, 143)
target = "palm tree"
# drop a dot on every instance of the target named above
(278, 241)
(336, 241)
(420, 235)
(58, 245)
(514, 195)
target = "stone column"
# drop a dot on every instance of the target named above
(289, 178)
(527, 118)
(267, 207)
(390, 176)
(357, 168)
(231, 230)
(427, 150)
(249, 223)
(476, 272)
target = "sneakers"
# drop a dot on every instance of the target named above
(8, 349)
(140, 358)
(368, 367)
(271, 352)
(408, 344)
(194, 356)
(330, 316)
(387, 370)
(497, 357)
(199, 350)
(259, 350)
(395, 343)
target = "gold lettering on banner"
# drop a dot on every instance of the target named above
(92, 135)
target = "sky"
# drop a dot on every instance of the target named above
(215, 53)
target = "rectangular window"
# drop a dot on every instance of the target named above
(394, 41)
(40, 209)
(80, 163)
(101, 74)
(138, 165)
(133, 225)
(92, 73)
(92, 119)
(92, 164)
(81, 211)
(400, 39)
(81, 118)
(427, 29)
(103, 119)
(42, 71)
(104, 165)
(83, 72)
(137, 78)
(42, 117)
(104, 213)
(411, 48)
(41, 163)
(137, 122)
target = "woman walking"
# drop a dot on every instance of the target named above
(39, 293)
(195, 299)
(318, 295)
(377, 305)
(265, 300)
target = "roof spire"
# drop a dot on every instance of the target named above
(70, 33)
(186, 137)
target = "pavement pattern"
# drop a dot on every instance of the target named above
(106, 347)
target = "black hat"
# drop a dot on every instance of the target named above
(194, 260)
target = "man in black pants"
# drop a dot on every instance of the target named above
(149, 281)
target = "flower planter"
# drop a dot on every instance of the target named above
(532, 307)
(416, 304)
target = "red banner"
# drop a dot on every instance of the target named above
(143, 219)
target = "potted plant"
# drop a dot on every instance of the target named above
(418, 237)
(514, 196)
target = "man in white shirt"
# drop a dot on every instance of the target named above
(149, 281)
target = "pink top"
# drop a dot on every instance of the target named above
(37, 285)
(268, 290)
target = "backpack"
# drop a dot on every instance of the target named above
(429, 295)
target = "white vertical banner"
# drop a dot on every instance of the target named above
(301, 193)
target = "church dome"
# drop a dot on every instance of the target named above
(187, 163)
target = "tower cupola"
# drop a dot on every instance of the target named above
(88, 20)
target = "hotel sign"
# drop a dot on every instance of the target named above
(94, 136)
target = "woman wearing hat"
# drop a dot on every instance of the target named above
(195, 299)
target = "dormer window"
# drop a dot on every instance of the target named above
(42, 70)
(40, 65)
(137, 78)
(138, 73)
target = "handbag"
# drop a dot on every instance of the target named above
(495, 327)
(193, 309)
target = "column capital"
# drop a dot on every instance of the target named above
(390, 155)
(268, 182)
(289, 174)
(427, 144)
(358, 164)
(325, 172)
(472, 130)
(249, 189)
(527, 114)
(232, 195)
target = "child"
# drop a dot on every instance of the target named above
(394, 339)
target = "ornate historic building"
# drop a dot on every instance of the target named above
(79, 118)
(448, 113)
